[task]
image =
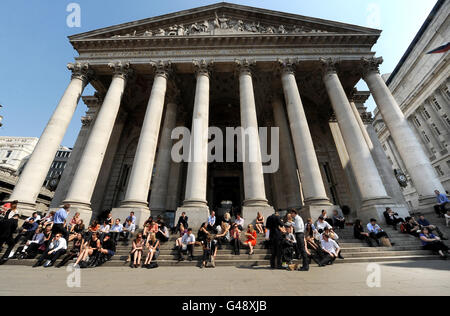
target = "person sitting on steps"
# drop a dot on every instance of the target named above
(391, 218)
(153, 250)
(442, 202)
(330, 249)
(251, 239)
(412, 227)
(359, 233)
(186, 244)
(432, 228)
(375, 231)
(432, 242)
(209, 252)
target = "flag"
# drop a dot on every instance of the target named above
(441, 49)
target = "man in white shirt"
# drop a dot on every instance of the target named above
(330, 249)
(115, 230)
(212, 223)
(56, 249)
(299, 230)
(240, 222)
(321, 224)
(128, 230)
(186, 244)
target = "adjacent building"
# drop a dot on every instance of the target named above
(14, 150)
(420, 84)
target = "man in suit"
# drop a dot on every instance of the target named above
(7, 229)
(274, 225)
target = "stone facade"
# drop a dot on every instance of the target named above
(215, 68)
(15, 150)
(420, 85)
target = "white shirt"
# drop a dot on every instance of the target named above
(131, 227)
(322, 225)
(186, 239)
(12, 213)
(335, 236)
(104, 229)
(62, 244)
(299, 226)
(330, 245)
(240, 222)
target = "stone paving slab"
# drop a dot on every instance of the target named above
(396, 278)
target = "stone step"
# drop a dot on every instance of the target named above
(247, 263)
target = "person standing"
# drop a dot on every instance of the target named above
(59, 221)
(274, 225)
(7, 229)
(299, 230)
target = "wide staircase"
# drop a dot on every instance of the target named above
(406, 248)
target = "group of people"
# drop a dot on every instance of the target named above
(430, 236)
(48, 238)
(289, 238)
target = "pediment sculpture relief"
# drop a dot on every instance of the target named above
(222, 25)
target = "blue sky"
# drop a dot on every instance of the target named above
(35, 50)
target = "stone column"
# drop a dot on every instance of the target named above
(313, 188)
(163, 162)
(85, 178)
(288, 165)
(417, 163)
(195, 204)
(373, 192)
(30, 182)
(141, 172)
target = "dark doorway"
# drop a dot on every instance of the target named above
(227, 189)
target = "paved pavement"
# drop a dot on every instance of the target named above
(396, 278)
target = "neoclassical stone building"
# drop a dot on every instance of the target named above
(225, 65)
(420, 84)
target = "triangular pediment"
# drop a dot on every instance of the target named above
(223, 19)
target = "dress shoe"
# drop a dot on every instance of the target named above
(304, 269)
(340, 256)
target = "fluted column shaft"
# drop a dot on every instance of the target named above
(85, 178)
(198, 163)
(310, 176)
(417, 163)
(367, 177)
(254, 190)
(32, 178)
(160, 182)
(141, 172)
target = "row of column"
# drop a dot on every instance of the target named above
(85, 178)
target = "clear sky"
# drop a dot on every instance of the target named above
(34, 47)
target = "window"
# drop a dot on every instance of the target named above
(448, 164)
(426, 137)
(436, 104)
(384, 147)
(436, 129)
(8, 154)
(447, 92)
(439, 171)
(446, 119)
(426, 114)
(416, 120)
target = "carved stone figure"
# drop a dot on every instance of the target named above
(148, 33)
(161, 32)
(281, 29)
(181, 30)
(204, 27)
(194, 29)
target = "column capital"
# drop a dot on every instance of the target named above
(287, 66)
(369, 65)
(162, 68)
(81, 71)
(203, 67)
(329, 65)
(352, 95)
(244, 66)
(122, 70)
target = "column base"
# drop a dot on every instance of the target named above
(376, 211)
(426, 204)
(142, 214)
(26, 209)
(256, 203)
(249, 213)
(316, 201)
(133, 204)
(78, 207)
(378, 200)
(314, 211)
(197, 215)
